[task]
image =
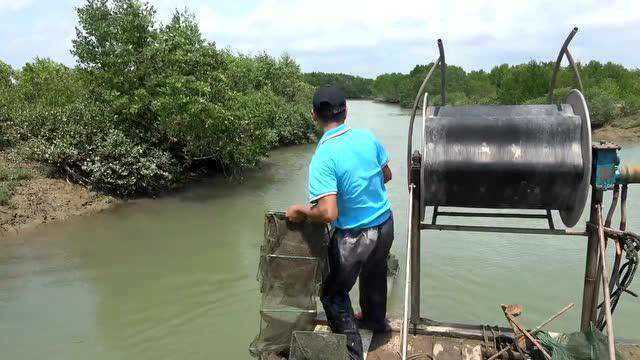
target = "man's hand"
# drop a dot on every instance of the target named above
(295, 213)
(387, 174)
(325, 211)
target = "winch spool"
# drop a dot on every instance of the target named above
(508, 157)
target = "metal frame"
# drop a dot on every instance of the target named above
(498, 229)
(593, 271)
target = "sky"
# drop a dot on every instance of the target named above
(363, 37)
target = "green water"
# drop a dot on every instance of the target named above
(174, 278)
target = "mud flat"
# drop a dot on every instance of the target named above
(38, 199)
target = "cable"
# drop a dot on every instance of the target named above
(623, 277)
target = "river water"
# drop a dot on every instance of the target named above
(175, 278)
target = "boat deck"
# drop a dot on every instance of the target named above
(439, 343)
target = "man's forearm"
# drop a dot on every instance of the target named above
(325, 211)
(314, 213)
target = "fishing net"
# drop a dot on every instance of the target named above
(591, 345)
(309, 345)
(292, 267)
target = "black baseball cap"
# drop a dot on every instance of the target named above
(330, 103)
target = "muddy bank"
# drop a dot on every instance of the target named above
(40, 199)
(617, 135)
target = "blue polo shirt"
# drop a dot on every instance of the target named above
(348, 162)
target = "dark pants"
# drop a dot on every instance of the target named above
(361, 252)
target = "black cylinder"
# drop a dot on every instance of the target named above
(513, 157)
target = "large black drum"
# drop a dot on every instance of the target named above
(508, 156)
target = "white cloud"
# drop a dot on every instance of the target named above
(368, 37)
(13, 5)
(471, 29)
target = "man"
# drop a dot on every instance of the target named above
(347, 178)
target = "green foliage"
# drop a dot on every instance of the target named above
(149, 102)
(523, 82)
(6, 73)
(6, 88)
(48, 83)
(631, 104)
(611, 90)
(10, 177)
(388, 87)
(602, 105)
(354, 87)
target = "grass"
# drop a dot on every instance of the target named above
(10, 178)
(627, 122)
(6, 191)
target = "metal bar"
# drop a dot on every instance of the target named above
(407, 294)
(443, 72)
(549, 217)
(492, 215)
(434, 217)
(590, 290)
(288, 310)
(630, 174)
(416, 103)
(556, 68)
(416, 205)
(614, 203)
(425, 104)
(291, 257)
(576, 73)
(605, 286)
(504, 230)
(623, 207)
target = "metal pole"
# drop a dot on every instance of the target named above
(591, 275)
(605, 286)
(443, 72)
(407, 282)
(576, 73)
(416, 104)
(556, 68)
(415, 238)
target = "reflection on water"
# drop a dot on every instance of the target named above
(175, 277)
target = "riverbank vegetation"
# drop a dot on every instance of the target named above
(149, 103)
(10, 178)
(354, 87)
(612, 91)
